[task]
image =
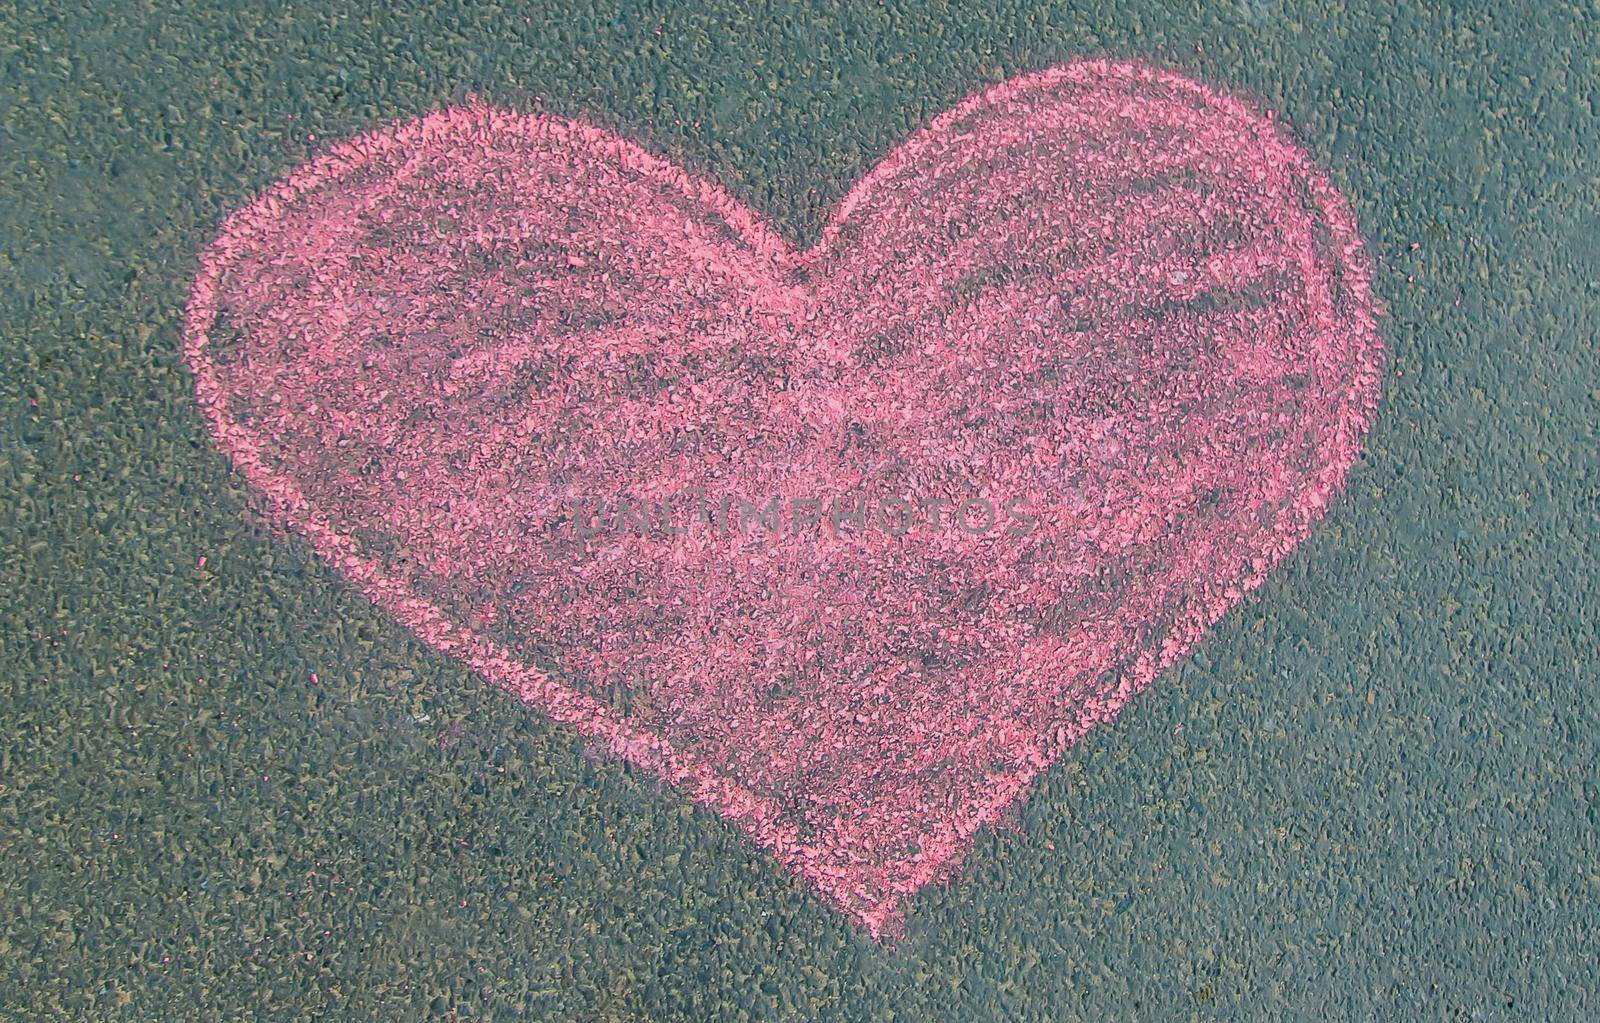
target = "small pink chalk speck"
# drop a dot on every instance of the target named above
(1119, 293)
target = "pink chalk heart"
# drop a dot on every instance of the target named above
(848, 543)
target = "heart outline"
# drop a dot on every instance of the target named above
(702, 781)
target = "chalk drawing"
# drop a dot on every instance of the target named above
(1103, 289)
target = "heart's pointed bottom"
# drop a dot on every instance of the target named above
(1102, 290)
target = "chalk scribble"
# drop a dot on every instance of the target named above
(1104, 290)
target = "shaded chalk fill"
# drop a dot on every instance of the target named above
(1103, 290)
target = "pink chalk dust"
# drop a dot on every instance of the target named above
(1103, 287)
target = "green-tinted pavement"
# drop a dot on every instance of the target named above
(1370, 795)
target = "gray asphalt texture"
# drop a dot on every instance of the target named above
(1370, 796)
